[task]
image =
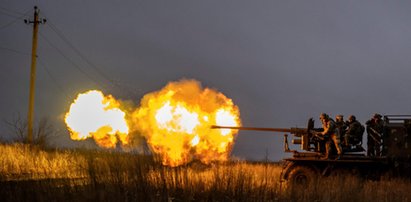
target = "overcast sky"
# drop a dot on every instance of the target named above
(280, 61)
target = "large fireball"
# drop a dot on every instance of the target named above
(176, 122)
(93, 115)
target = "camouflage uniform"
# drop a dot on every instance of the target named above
(354, 131)
(331, 131)
(375, 128)
(341, 126)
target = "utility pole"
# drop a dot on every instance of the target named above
(30, 115)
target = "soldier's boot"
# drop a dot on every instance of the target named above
(325, 157)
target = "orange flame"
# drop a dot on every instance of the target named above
(94, 115)
(176, 122)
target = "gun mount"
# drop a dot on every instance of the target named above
(306, 137)
(305, 167)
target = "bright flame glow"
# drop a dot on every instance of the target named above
(225, 118)
(94, 115)
(176, 122)
(177, 119)
(195, 140)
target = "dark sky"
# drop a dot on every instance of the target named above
(280, 61)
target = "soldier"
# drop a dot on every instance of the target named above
(374, 130)
(341, 126)
(354, 131)
(331, 135)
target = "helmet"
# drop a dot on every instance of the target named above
(352, 118)
(376, 116)
(324, 116)
(339, 117)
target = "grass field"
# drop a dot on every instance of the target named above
(31, 174)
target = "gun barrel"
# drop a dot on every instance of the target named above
(285, 130)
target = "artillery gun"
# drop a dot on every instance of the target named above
(306, 164)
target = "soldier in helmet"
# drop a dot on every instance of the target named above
(341, 126)
(331, 135)
(374, 131)
(354, 131)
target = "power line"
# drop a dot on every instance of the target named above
(12, 11)
(71, 61)
(10, 23)
(53, 79)
(64, 38)
(18, 16)
(15, 20)
(82, 56)
(13, 14)
(15, 51)
(44, 66)
(8, 14)
(98, 70)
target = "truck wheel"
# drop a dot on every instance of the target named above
(302, 176)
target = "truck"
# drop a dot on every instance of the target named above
(306, 164)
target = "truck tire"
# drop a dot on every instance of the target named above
(302, 176)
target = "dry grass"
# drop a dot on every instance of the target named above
(31, 174)
(21, 161)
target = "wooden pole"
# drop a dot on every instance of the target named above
(30, 115)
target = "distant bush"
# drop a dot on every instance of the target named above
(43, 131)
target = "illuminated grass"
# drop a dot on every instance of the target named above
(20, 161)
(30, 174)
